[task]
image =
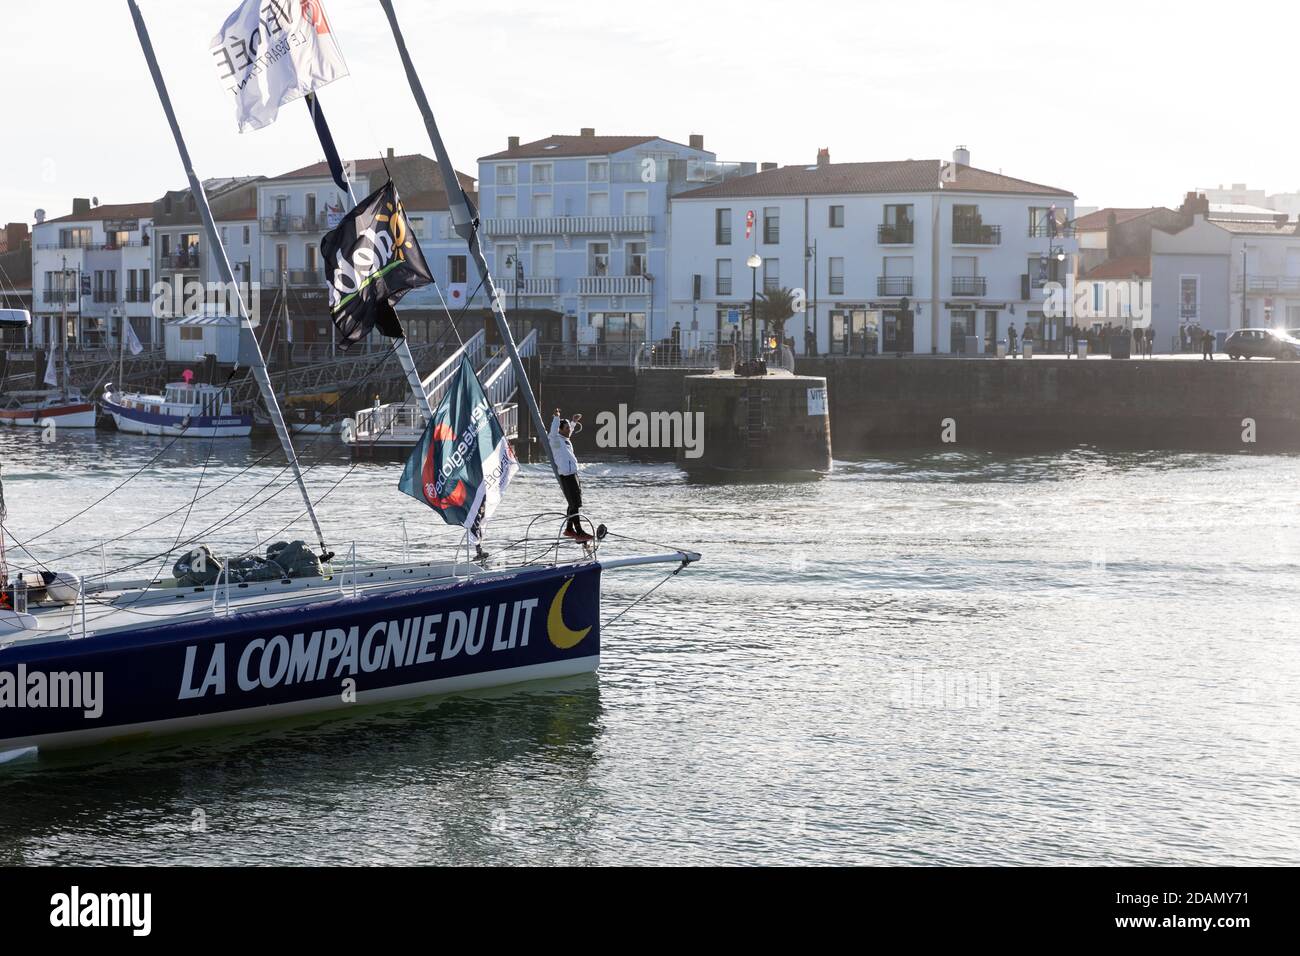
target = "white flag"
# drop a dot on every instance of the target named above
(457, 292)
(52, 369)
(272, 52)
(132, 340)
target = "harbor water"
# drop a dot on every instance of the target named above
(956, 658)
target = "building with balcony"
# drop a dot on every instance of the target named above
(1224, 275)
(103, 251)
(893, 257)
(296, 209)
(579, 224)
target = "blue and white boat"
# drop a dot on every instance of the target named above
(184, 409)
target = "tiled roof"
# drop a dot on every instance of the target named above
(1257, 227)
(134, 210)
(1124, 267)
(239, 215)
(905, 176)
(571, 146)
(321, 170)
(1097, 221)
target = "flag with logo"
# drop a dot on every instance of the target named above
(463, 463)
(371, 260)
(272, 52)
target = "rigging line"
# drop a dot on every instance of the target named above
(239, 474)
(672, 574)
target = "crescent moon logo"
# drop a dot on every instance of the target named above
(561, 636)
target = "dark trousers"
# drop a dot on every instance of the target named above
(572, 494)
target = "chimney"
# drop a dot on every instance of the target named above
(1195, 204)
(824, 156)
(768, 167)
(697, 141)
(1281, 219)
(512, 142)
(588, 131)
(390, 152)
(81, 207)
(961, 156)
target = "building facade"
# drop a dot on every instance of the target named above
(890, 257)
(1225, 275)
(96, 263)
(579, 225)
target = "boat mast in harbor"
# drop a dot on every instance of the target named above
(250, 348)
(464, 218)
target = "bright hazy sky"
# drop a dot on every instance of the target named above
(1126, 103)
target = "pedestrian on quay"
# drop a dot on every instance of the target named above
(1207, 347)
(1011, 338)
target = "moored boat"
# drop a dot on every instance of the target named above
(184, 409)
(64, 408)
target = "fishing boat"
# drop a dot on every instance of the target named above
(223, 642)
(184, 409)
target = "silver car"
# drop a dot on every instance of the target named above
(1262, 343)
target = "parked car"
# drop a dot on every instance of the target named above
(1262, 343)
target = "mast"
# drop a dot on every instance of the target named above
(63, 330)
(465, 220)
(401, 347)
(254, 350)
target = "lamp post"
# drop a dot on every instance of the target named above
(518, 264)
(753, 262)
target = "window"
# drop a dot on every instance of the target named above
(542, 173)
(1189, 298)
(898, 214)
(836, 217)
(771, 225)
(598, 172)
(506, 260)
(544, 259)
(505, 175)
(597, 258)
(1040, 221)
(722, 227)
(722, 277)
(191, 333)
(507, 207)
(166, 247)
(76, 238)
(598, 204)
(1038, 271)
(247, 236)
(456, 270)
(543, 205)
(636, 203)
(281, 261)
(637, 260)
(771, 275)
(309, 257)
(836, 281)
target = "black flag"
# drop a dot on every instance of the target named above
(371, 260)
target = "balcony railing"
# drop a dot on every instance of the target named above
(59, 296)
(894, 285)
(569, 225)
(1044, 230)
(303, 277)
(970, 285)
(105, 295)
(1282, 284)
(613, 285)
(541, 285)
(281, 225)
(138, 295)
(976, 234)
(891, 234)
(179, 260)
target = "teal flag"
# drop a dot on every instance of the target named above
(463, 462)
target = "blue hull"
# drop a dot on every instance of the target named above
(138, 422)
(330, 655)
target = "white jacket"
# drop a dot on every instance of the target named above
(562, 448)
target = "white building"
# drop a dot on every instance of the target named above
(891, 259)
(1223, 275)
(102, 251)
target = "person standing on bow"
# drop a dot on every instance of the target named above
(566, 463)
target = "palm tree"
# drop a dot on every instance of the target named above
(775, 307)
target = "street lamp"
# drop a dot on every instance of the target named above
(753, 262)
(518, 264)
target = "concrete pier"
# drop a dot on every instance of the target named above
(879, 404)
(774, 423)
